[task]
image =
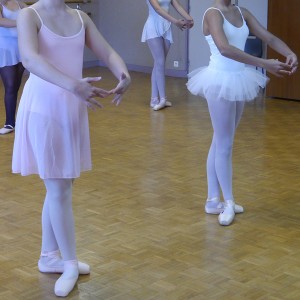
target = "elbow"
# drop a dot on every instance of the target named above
(225, 50)
(28, 62)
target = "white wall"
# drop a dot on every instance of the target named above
(198, 48)
(121, 23)
(259, 8)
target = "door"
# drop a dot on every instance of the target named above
(284, 22)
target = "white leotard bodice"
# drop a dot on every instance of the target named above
(12, 15)
(236, 36)
(165, 4)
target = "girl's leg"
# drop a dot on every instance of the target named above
(50, 260)
(167, 45)
(159, 48)
(223, 117)
(239, 112)
(59, 199)
(213, 204)
(213, 189)
(11, 77)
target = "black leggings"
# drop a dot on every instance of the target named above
(11, 77)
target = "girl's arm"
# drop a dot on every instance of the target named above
(181, 24)
(28, 26)
(183, 13)
(271, 40)
(96, 42)
(213, 23)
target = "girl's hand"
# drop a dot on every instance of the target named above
(292, 61)
(120, 89)
(277, 68)
(181, 24)
(87, 92)
(189, 23)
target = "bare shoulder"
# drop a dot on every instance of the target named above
(213, 13)
(246, 13)
(28, 12)
(85, 18)
(28, 16)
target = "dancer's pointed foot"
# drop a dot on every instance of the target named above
(159, 106)
(163, 103)
(226, 217)
(66, 282)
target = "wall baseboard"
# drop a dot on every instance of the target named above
(136, 68)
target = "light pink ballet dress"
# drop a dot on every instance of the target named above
(52, 131)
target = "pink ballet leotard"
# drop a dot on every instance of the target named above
(52, 132)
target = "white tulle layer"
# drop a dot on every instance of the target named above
(242, 85)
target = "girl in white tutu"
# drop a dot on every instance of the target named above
(11, 68)
(52, 131)
(157, 33)
(226, 84)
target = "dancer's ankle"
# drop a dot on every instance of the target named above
(52, 254)
(154, 101)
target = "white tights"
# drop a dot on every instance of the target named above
(57, 219)
(58, 231)
(159, 48)
(225, 116)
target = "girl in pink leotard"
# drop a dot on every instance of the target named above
(52, 133)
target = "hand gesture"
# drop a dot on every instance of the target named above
(292, 61)
(87, 92)
(189, 23)
(120, 89)
(181, 24)
(277, 68)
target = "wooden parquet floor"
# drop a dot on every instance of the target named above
(139, 214)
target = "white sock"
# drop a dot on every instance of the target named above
(66, 282)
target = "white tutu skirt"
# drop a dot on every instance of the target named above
(9, 52)
(158, 27)
(242, 85)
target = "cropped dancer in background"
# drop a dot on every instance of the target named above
(158, 35)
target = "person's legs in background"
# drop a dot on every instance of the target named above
(159, 48)
(11, 77)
